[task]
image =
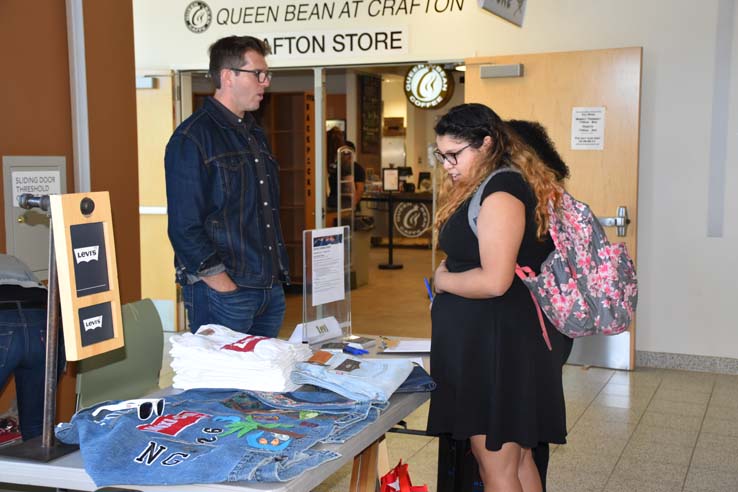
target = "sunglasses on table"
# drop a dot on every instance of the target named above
(145, 407)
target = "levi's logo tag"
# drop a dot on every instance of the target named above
(87, 254)
(92, 323)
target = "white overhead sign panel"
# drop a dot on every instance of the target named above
(349, 43)
(177, 33)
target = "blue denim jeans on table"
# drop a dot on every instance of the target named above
(418, 381)
(355, 378)
(252, 311)
(23, 353)
(203, 436)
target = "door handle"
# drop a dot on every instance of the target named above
(620, 221)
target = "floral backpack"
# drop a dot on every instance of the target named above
(587, 286)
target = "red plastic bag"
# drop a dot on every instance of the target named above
(398, 480)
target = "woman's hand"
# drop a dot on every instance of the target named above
(439, 277)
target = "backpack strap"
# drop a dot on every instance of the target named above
(475, 205)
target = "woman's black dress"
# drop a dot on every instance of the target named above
(495, 374)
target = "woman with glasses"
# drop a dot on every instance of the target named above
(499, 385)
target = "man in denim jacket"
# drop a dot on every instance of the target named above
(223, 195)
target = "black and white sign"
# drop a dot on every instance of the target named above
(588, 128)
(35, 183)
(90, 260)
(95, 323)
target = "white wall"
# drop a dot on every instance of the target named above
(688, 293)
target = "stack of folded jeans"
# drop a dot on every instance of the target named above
(217, 357)
(200, 436)
(352, 377)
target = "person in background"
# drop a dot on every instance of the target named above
(535, 136)
(359, 177)
(499, 385)
(23, 341)
(223, 197)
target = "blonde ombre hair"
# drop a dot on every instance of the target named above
(472, 123)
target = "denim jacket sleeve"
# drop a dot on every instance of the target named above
(186, 180)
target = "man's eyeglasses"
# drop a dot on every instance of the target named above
(145, 407)
(449, 157)
(261, 75)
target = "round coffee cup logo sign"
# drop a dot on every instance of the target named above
(412, 219)
(428, 86)
(198, 16)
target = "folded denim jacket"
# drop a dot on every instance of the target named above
(201, 436)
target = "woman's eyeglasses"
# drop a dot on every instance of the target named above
(261, 75)
(449, 157)
(145, 407)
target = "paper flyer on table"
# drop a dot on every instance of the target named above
(328, 262)
(410, 346)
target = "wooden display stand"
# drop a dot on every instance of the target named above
(85, 281)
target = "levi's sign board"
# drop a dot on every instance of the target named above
(82, 229)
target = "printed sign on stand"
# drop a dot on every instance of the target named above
(88, 277)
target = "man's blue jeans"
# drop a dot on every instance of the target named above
(23, 353)
(252, 311)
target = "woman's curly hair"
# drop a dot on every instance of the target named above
(472, 123)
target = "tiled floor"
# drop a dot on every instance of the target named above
(649, 430)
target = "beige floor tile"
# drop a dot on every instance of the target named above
(716, 452)
(575, 457)
(623, 484)
(726, 382)
(621, 401)
(637, 469)
(725, 427)
(657, 452)
(610, 446)
(665, 435)
(660, 419)
(640, 377)
(687, 386)
(722, 412)
(637, 391)
(611, 414)
(724, 398)
(678, 408)
(700, 479)
(574, 480)
(600, 430)
(680, 395)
